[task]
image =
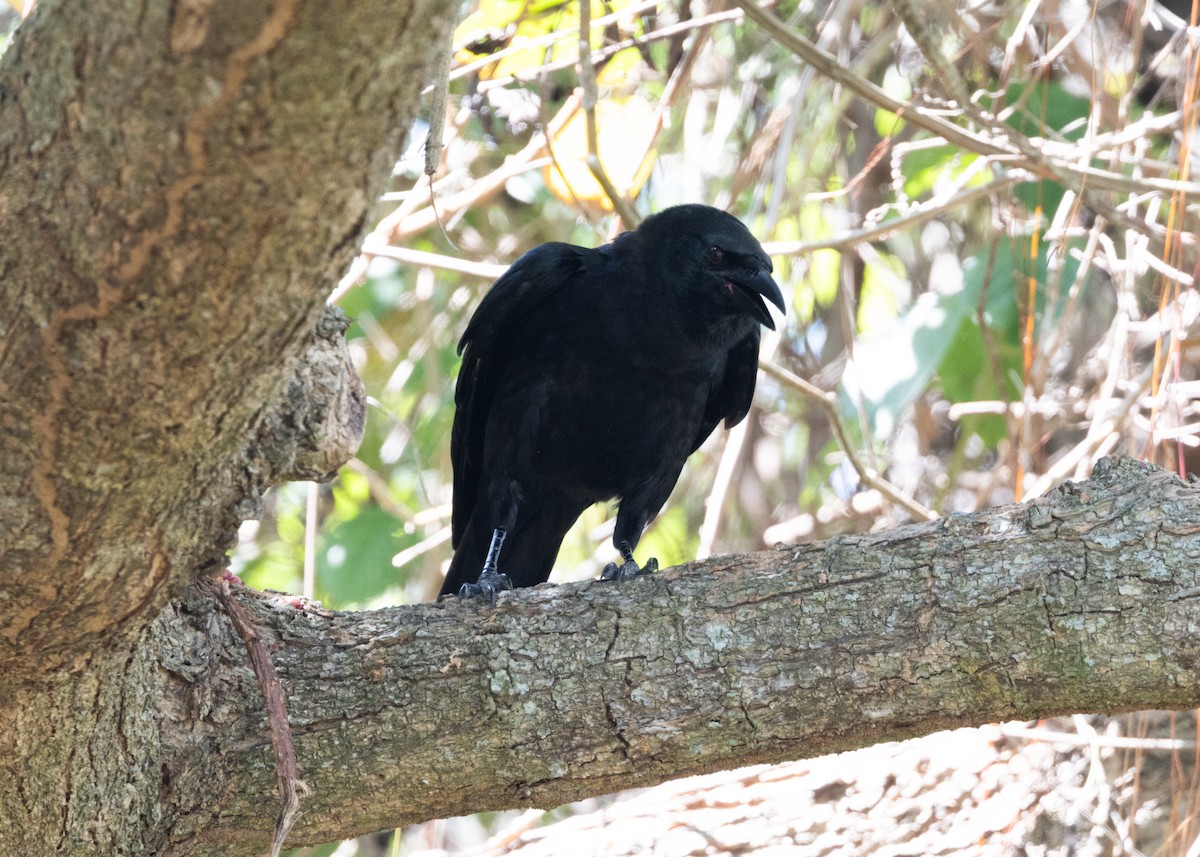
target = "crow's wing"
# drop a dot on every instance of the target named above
(730, 400)
(512, 311)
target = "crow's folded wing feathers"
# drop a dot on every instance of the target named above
(498, 328)
(731, 400)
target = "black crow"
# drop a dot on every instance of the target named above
(589, 375)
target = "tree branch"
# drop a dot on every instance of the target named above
(1085, 600)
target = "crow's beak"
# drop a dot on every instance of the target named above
(750, 293)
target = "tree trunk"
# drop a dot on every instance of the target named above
(183, 183)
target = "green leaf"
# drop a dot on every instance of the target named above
(896, 365)
(354, 559)
(1045, 109)
(927, 169)
(939, 336)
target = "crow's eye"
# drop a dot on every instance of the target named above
(716, 255)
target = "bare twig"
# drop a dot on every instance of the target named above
(437, 105)
(735, 442)
(312, 505)
(676, 85)
(922, 28)
(422, 547)
(557, 35)
(483, 270)
(1080, 177)
(380, 493)
(1100, 439)
(828, 403)
(287, 771)
(1055, 736)
(1005, 144)
(437, 121)
(934, 208)
(599, 55)
(828, 66)
(409, 219)
(481, 189)
(587, 82)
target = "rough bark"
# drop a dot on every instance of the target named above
(1086, 600)
(182, 184)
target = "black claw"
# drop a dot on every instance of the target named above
(490, 585)
(628, 570)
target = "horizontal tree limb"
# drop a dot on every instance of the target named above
(1084, 600)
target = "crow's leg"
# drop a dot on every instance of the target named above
(637, 508)
(491, 582)
(629, 568)
(503, 500)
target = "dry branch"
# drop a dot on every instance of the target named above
(1004, 145)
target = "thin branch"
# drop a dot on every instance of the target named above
(312, 505)
(381, 493)
(1074, 739)
(287, 770)
(437, 105)
(437, 121)
(921, 27)
(828, 403)
(1107, 143)
(735, 442)
(828, 66)
(1098, 441)
(409, 219)
(587, 82)
(483, 270)
(675, 85)
(548, 40)
(1080, 177)
(1007, 145)
(420, 548)
(599, 55)
(396, 230)
(934, 208)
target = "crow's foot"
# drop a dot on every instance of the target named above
(490, 584)
(628, 570)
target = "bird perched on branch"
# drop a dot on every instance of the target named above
(589, 375)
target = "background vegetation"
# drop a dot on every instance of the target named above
(990, 319)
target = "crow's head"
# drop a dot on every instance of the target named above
(713, 261)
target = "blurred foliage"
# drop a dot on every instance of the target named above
(979, 307)
(9, 18)
(970, 346)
